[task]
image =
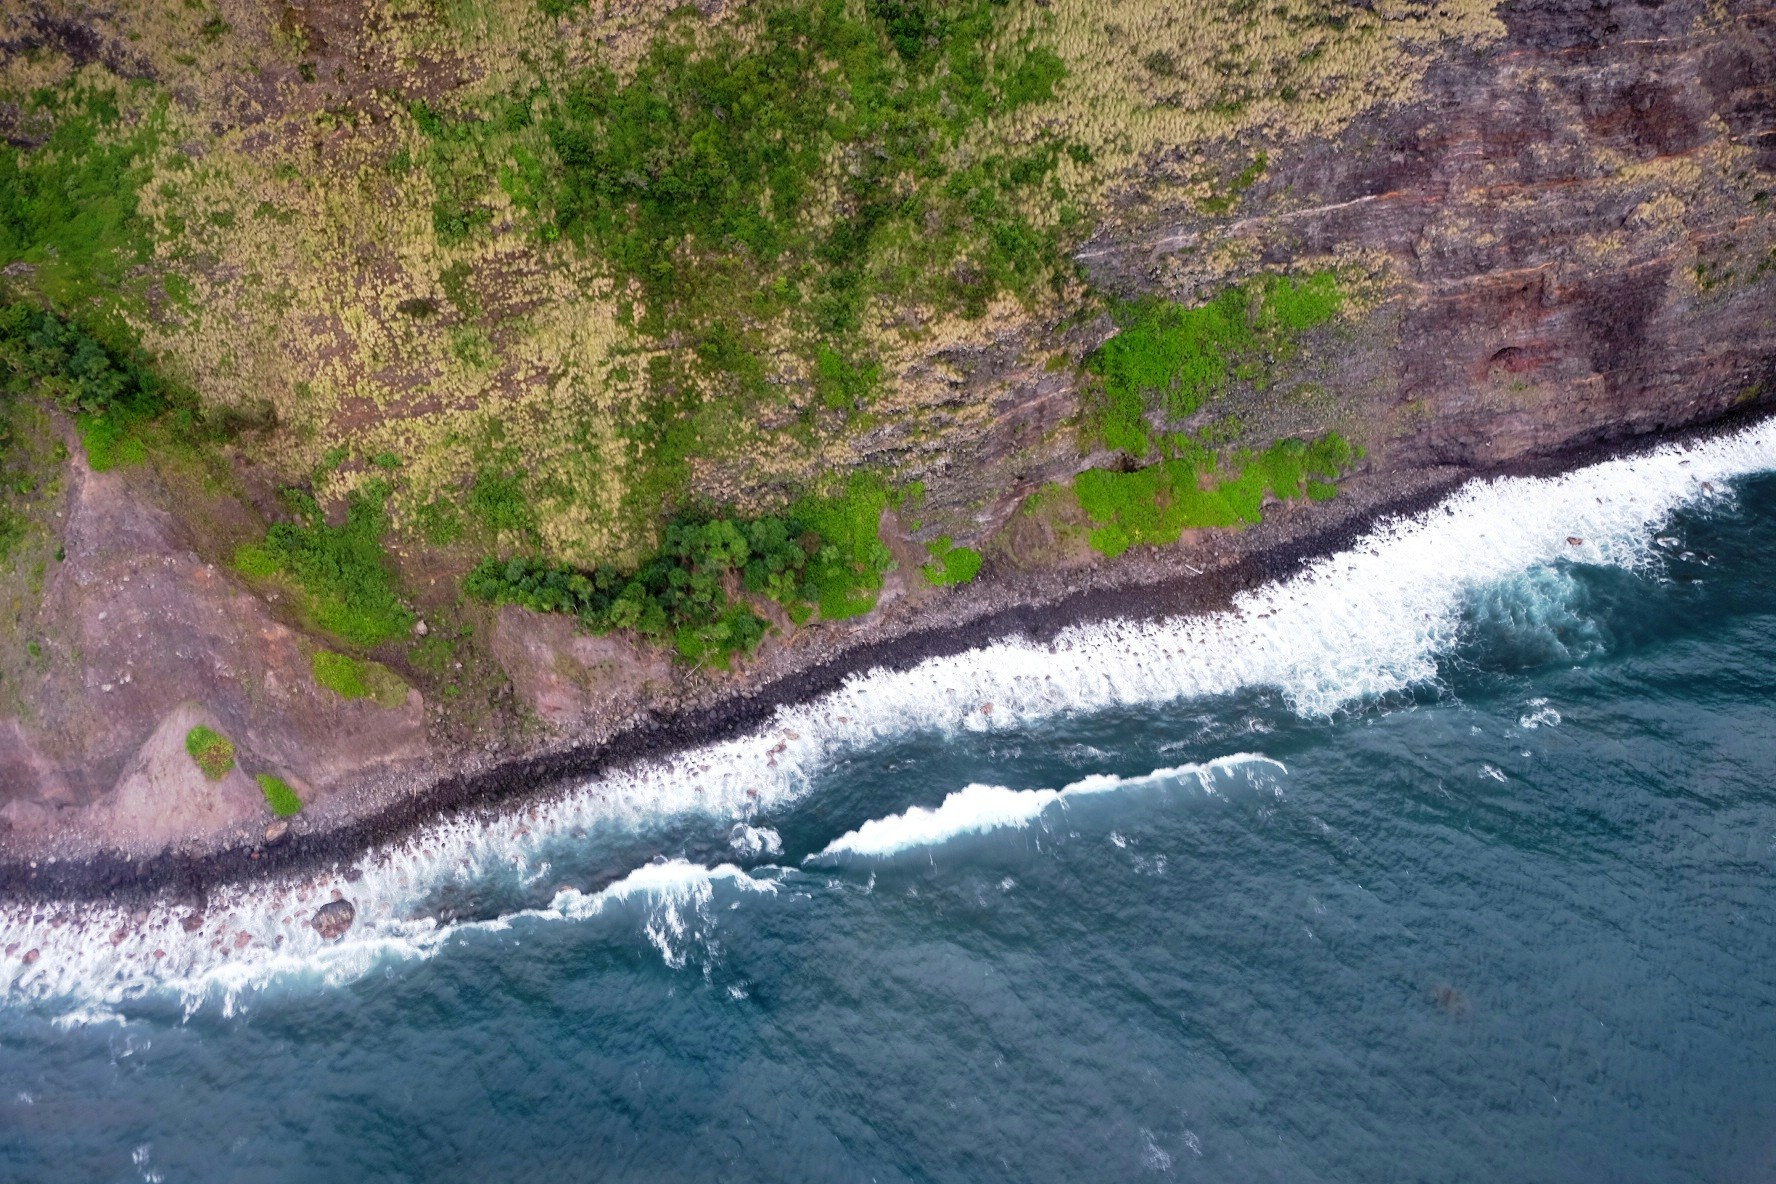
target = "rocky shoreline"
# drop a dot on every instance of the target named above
(1186, 579)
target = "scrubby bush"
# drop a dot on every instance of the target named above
(1157, 503)
(211, 750)
(110, 391)
(342, 570)
(824, 553)
(340, 673)
(280, 796)
(951, 565)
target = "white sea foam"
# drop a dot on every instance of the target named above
(1542, 716)
(752, 841)
(1366, 621)
(101, 960)
(977, 809)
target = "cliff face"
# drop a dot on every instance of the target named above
(1572, 228)
(1555, 236)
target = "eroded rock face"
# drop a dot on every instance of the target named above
(163, 797)
(143, 640)
(569, 678)
(1572, 231)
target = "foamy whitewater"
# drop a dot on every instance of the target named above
(1368, 621)
(978, 809)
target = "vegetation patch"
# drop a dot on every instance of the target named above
(825, 553)
(727, 154)
(110, 390)
(761, 184)
(68, 205)
(1156, 504)
(951, 565)
(1169, 359)
(211, 750)
(343, 572)
(358, 678)
(850, 559)
(280, 795)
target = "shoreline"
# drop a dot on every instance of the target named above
(1266, 553)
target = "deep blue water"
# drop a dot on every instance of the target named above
(1514, 924)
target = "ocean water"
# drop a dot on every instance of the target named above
(1453, 858)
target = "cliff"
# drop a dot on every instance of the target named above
(404, 321)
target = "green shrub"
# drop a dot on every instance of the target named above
(342, 675)
(357, 678)
(497, 500)
(111, 392)
(676, 597)
(1294, 305)
(68, 205)
(845, 575)
(825, 552)
(280, 796)
(348, 588)
(1156, 504)
(211, 750)
(951, 565)
(1172, 359)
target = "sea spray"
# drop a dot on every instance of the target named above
(1367, 621)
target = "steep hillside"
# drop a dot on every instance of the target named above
(400, 387)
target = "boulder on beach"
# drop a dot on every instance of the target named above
(332, 919)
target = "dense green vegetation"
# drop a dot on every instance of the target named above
(211, 751)
(845, 573)
(1170, 359)
(709, 168)
(950, 564)
(112, 392)
(340, 673)
(68, 205)
(761, 183)
(348, 588)
(1155, 504)
(280, 796)
(823, 553)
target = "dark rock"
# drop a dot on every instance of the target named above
(332, 919)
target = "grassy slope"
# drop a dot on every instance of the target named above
(508, 277)
(606, 265)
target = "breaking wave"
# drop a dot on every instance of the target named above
(978, 809)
